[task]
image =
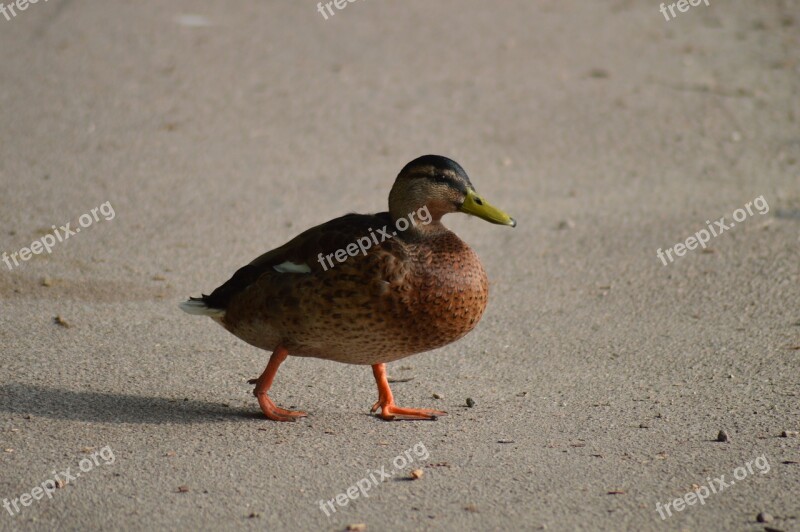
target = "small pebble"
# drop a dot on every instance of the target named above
(358, 527)
(599, 73)
(789, 434)
(437, 396)
(58, 320)
(47, 281)
(183, 489)
(470, 402)
(565, 224)
(764, 517)
(417, 473)
(723, 437)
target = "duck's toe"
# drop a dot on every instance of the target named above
(391, 412)
(276, 413)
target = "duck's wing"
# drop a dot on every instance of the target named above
(306, 252)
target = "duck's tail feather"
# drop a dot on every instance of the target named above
(198, 307)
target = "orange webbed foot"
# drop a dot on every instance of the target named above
(390, 411)
(263, 384)
(276, 413)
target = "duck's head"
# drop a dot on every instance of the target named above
(442, 186)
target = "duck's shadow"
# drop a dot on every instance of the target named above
(55, 403)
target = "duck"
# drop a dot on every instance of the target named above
(365, 289)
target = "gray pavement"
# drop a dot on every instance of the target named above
(600, 376)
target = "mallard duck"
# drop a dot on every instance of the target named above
(364, 288)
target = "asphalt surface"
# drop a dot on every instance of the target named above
(600, 376)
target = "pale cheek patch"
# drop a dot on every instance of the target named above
(291, 267)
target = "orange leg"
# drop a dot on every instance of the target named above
(263, 384)
(391, 412)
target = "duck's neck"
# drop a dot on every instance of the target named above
(419, 219)
(425, 231)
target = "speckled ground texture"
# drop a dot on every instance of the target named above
(218, 130)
